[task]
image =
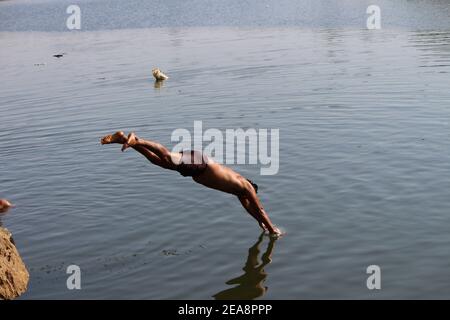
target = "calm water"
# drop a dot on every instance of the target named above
(364, 143)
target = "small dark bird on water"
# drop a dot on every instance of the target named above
(59, 55)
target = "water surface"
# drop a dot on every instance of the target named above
(364, 160)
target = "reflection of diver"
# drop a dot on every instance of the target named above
(251, 284)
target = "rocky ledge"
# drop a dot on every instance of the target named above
(13, 273)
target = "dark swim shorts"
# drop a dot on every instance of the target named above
(192, 163)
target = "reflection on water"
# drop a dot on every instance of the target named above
(250, 285)
(434, 47)
(158, 84)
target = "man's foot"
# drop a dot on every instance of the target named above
(131, 141)
(118, 137)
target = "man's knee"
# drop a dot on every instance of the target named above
(167, 159)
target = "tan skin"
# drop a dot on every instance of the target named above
(216, 176)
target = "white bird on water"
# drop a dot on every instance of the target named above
(159, 75)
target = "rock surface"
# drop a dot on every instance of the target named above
(14, 275)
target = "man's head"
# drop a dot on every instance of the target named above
(254, 185)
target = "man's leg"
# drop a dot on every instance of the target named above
(153, 158)
(144, 149)
(162, 152)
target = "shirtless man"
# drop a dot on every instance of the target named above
(202, 169)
